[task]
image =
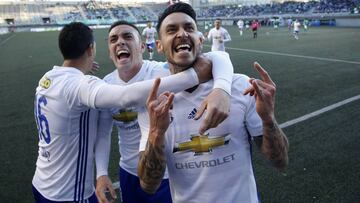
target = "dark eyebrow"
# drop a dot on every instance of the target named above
(127, 33)
(170, 26)
(112, 36)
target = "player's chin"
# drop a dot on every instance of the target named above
(185, 62)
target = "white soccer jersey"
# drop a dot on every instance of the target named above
(67, 127)
(220, 171)
(219, 37)
(240, 24)
(126, 119)
(297, 26)
(149, 34)
(64, 169)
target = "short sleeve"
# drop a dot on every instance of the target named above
(253, 121)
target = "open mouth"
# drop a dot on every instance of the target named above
(121, 54)
(183, 47)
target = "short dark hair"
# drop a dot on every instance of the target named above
(123, 22)
(74, 39)
(176, 8)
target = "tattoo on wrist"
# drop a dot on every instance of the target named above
(153, 163)
(275, 145)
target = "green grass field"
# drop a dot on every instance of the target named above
(320, 69)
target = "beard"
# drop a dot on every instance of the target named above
(182, 65)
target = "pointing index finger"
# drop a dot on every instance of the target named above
(154, 90)
(264, 75)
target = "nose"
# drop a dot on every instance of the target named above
(182, 33)
(120, 41)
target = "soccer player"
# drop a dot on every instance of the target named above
(214, 166)
(255, 26)
(240, 24)
(206, 27)
(305, 24)
(130, 68)
(63, 105)
(247, 25)
(289, 23)
(149, 33)
(219, 36)
(296, 25)
(276, 23)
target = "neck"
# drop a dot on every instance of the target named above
(177, 69)
(76, 63)
(127, 74)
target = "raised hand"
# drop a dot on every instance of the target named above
(264, 92)
(158, 109)
(274, 143)
(152, 161)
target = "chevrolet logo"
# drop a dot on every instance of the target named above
(125, 116)
(202, 143)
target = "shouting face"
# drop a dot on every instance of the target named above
(125, 47)
(179, 40)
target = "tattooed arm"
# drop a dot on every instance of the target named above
(151, 169)
(273, 144)
(152, 161)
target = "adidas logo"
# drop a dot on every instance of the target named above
(192, 114)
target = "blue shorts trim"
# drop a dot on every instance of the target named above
(41, 199)
(131, 191)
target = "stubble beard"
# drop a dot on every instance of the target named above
(177, 68)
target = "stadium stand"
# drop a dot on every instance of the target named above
(44, 13)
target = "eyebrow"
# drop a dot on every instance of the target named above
(120, 34)
(175, 25)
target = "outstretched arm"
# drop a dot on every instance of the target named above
(152, 161)
(274, 143)
(95, 93)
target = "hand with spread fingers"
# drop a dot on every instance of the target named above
(264, 92)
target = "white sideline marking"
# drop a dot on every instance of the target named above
(318, 112)
(293, 55)
(7, 39)
(116, 185)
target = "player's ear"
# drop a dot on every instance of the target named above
(201, 39)
(91, 50)
(143, 46)
(159, 47)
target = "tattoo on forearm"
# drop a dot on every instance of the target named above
(152, 167)
(275, 145)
